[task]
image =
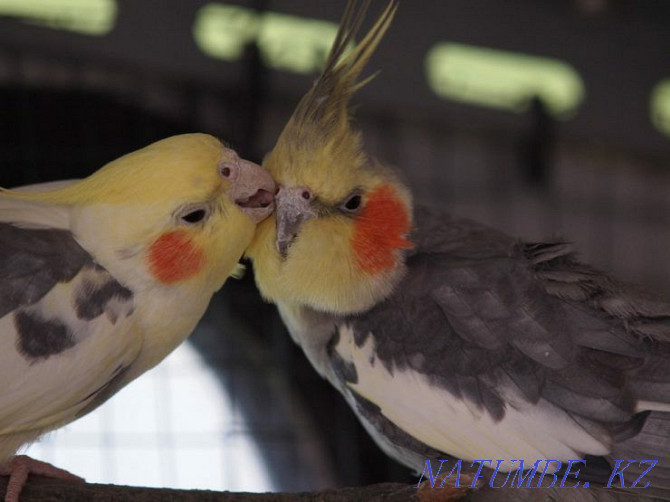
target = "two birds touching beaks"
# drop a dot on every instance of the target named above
(448, 339)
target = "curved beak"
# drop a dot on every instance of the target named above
(252, 188)
(293, 209)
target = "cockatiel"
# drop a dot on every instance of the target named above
(447, 338)
(100, 279)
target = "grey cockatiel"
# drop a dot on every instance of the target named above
(101, 278)
(448, 338)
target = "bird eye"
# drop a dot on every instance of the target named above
(194, 216)
(352, 203)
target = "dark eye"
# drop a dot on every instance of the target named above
(352, 203)
(194, 216)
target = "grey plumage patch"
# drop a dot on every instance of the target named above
(93, 297)
(413, 332)
(39, 338)
(33, 261)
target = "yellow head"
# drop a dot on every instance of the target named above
(179, 212)
(338, 240)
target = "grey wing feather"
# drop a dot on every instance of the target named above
(479, 310)
(36, 250)
(33, 262)
(53, 296)
(571, 325)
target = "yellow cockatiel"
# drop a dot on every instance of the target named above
(101, 278)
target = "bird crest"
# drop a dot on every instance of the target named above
(322, 116)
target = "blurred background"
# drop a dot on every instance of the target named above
(540, 117)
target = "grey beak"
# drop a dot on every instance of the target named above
(294, 207)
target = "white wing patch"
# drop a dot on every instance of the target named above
(32, 214)
(41, 392)
(528, 432)
(49, 393)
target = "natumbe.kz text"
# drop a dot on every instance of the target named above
(554, 473)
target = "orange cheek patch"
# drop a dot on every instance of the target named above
(380, 230)
(174, 257)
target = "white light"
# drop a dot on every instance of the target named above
(501, 79)
(290, 43)
(91, 17)
(660, 106)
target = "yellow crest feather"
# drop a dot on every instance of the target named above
(324, 109)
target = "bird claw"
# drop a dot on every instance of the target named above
(21, 466)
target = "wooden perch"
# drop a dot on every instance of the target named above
(41, 489)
